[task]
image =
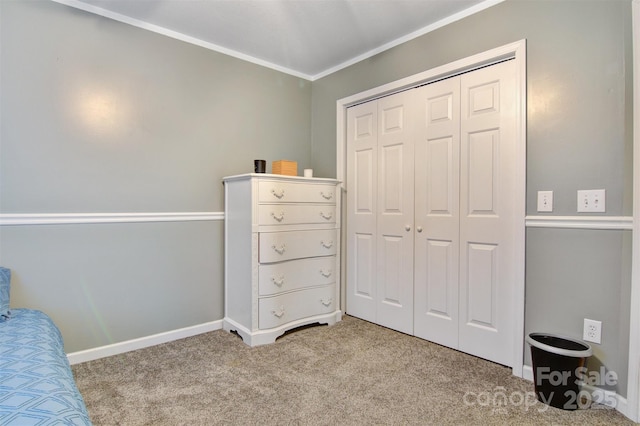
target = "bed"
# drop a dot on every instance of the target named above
(36, 383)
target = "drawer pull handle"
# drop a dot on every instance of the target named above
(278, 194)
(280, 249)
(278, 281)
(279, 313)
(326, 195)
(326, 216)
(327, 245)
(326, 273)
(278, 217)
(327, 302)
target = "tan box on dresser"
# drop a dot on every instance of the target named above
(282, 241)
(284, 167)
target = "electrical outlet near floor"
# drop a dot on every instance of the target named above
(592, 331)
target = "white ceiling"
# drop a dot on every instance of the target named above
(306, 38)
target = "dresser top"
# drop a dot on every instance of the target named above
(268, 176)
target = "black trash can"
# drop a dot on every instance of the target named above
(557, 367)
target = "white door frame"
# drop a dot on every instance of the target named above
(517, 51)
(633, 384)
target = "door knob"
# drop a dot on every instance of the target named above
(407, 228)
(419, 228)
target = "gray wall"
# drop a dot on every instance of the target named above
(100, 116)
(579, 137)
(108, 283)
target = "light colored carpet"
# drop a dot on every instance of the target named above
(353, 373)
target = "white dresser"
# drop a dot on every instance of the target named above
(282, 242)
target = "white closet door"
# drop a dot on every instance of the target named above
(362, 188)
(487, 189)
(437, 220)
(453, 142)
(395, 212)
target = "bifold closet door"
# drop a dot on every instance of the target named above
(444, 271)
(464, 266)
(487, 214)
(380, 212)
(395, 212)
(362, 208)
(437, 217)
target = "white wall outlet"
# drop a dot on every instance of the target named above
(592, 331)
(545, 201)
(591, 200)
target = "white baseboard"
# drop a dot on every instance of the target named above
(623, 407)
(527, 372)
(609, 398)
(142, 342)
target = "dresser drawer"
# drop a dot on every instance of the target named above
(290, 214)
(292, 192)
(278, 310)
(280, 246)
(296, 274)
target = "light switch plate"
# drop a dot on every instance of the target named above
(545, 201)
(591, 201)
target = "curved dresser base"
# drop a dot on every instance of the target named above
(264, 337)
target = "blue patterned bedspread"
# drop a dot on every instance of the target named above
(36, 382)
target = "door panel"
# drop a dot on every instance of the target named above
(484, 98)
(395, 213)
(482, 171)
(391, 247)
(488, 154)
(364, 253)
(437, 211)
(439, 261)
(391, 179)
(440, 184)
(362, 184)
(481, 267)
